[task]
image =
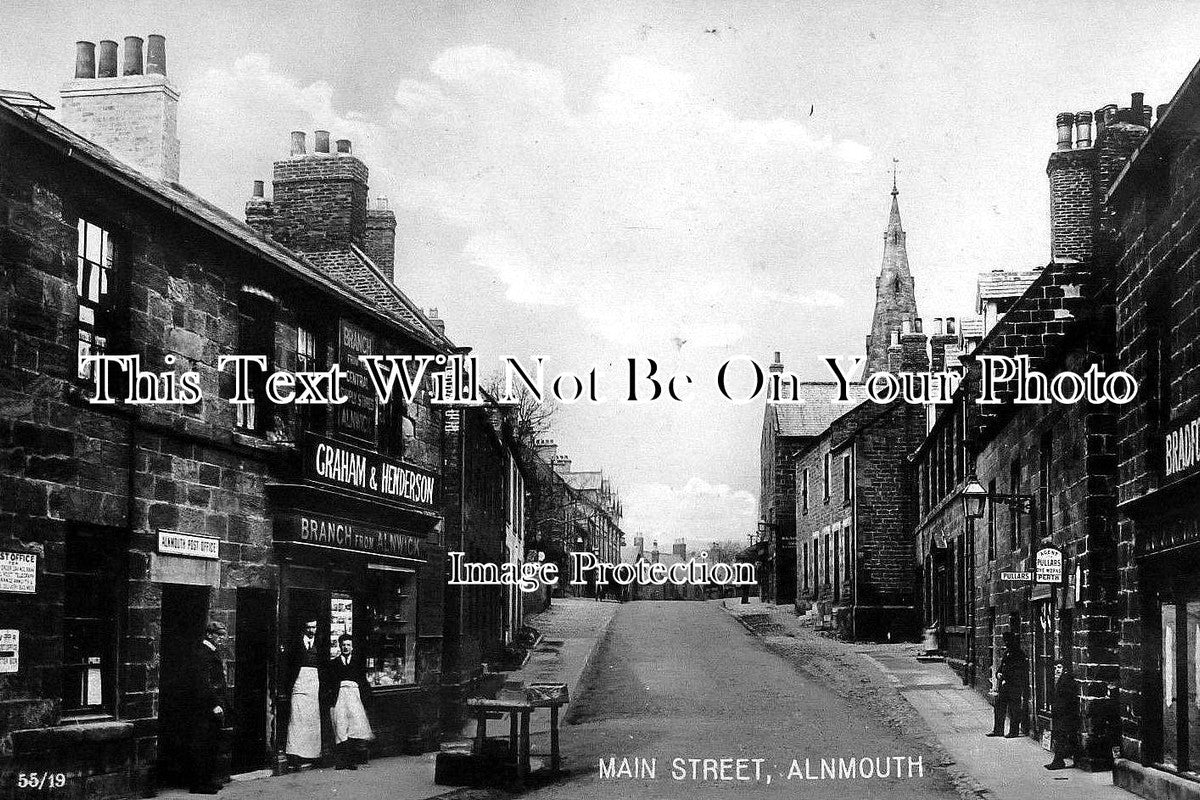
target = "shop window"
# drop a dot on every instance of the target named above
(256, 336)
(1045, 637)
(1170, 696)
(93, 577)
(390, 613)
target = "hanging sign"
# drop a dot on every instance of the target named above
(356, 417)
(1049, 565)
(18, 572)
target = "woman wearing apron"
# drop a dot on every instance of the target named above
(351, 729)
(304, 724)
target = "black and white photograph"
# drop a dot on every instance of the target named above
(490, 400)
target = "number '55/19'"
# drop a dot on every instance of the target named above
(41, 780)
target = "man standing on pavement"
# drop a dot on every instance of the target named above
(345, 681)
(1065, 710)
(208, 690)
(1011, 679)
(304, 722)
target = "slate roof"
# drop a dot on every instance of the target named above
(818, 411)
(361, 284)
(1005, 283)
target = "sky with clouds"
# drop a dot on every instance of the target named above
(596, 180)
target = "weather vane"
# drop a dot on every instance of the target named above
(895, 162)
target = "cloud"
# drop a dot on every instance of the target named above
(698, 511)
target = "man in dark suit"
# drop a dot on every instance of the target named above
(1012, 678)
(209, 702)
(344, 684)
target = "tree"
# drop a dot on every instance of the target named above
(530, 418)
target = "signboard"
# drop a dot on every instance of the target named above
(1181, 449)
(356, 417)
(344, 466)
(341, 620)
(1049, 565)
(186, 544)
(18, 572)
(325, 531)
(10, 650)
(1016, 576)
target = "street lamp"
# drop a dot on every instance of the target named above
(975, 497)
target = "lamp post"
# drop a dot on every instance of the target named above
(974, 500)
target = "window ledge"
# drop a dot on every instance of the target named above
(71, 732)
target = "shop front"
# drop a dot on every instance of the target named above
(357, 543)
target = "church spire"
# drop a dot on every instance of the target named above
(895, 299)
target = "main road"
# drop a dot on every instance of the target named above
(682, 702)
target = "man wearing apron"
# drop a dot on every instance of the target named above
(304, 724)
(351, 729)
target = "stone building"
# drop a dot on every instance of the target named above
(127, 526)
(1048, 469)
(1154, 211)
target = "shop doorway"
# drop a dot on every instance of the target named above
(255, 637)
(184, 614)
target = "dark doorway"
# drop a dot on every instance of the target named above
(184, 613)
(255, 638)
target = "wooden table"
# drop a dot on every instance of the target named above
(519, 713)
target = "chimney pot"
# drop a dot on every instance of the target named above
(905, 327)
(950, 325)
(1136, 100)
(258, 189)
(108, 59)
(321, 142)
(1064, 122)
(918, 325)
(156, 54)
(343, 146)
(85, 60)
(777, 359)
(381, 203)
(937, 325)
(298, 147)
(895, 338)
(1147, 116)
(1083, 129)
(133, 56)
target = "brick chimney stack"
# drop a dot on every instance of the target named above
(133, 115)
(380, 243)
(436, 321)
(944, 336)
(1091, 151)
(259, 213)
(320, 198)
(914, 347)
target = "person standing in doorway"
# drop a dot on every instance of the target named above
(208, 704)
(1065, 709)
(1011, 680)
(304, 723)
(346, 682)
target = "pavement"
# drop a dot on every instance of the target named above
(953, 717)
(579, 625)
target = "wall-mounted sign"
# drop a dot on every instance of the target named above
(18, 572)
(1181, 449)
(187, 544)
(341, 620)
(1049, 565)
(356, 417)
(1016, 576)
(344, 466)
(326, 531)
(10, 650)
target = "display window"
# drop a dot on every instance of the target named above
(389, 627)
